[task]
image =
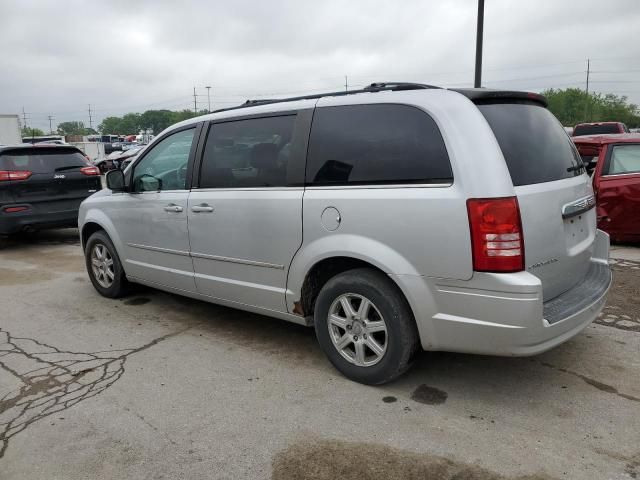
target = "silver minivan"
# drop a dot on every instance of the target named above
(394, 218)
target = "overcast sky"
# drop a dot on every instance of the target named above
(123, 56)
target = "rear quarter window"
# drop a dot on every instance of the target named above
(533, 142)
(375, 144)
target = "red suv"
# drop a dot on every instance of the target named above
(615, 162)
(599, 128)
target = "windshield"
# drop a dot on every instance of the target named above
(533, 142)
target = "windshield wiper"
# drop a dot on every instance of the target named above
(576, 168)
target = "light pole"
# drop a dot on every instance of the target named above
(478, 80)
(209, 98)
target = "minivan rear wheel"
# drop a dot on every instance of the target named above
(104, 266)
(365, 326)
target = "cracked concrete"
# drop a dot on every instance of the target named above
(158, 386)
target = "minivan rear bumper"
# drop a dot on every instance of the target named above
(504, 314)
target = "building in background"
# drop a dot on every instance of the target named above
(10, 129)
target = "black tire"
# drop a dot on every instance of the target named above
(401, 337)
(120, 286)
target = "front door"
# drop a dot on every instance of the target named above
(245, 219)
(152, 218)
(618, 190)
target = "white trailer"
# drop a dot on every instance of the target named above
(93, 150)
(10, 130)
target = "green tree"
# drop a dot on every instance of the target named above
(110, 125)
(31, 132)
(574, 105)
(71, 128)
(157, 120)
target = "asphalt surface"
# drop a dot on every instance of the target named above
(155, 386)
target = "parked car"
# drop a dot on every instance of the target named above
(130, 155)
(41, 186)
(108, 162)
(615, 162)
(392, 218)
(599, 128)
(119, 159)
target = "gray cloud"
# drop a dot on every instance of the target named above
(122, 56)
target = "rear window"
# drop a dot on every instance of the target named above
(375, 144)
(42, 160)
(595, 129)
(533, 142)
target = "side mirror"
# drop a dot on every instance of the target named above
(147, 183)
(115, 181)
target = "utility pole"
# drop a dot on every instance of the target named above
(24, 118)
(50, 127)
(90, 119)
(587, 98)
(346, 84)
(478, 80)
(195, 102)
(209, 99)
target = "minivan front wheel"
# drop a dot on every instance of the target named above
(365, 326)
(104, 267)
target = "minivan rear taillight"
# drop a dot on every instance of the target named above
(8, 175)
(496, 234)
(90, 171)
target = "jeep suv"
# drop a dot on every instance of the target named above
(397, 217)
(42, 185)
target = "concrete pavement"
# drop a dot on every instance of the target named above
(156, 386)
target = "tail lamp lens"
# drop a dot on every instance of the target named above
(496, 234)
(90, 171)
(15, 175)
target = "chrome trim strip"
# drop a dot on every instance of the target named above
(579, 206)
(237, 260)
(248, 189)
(158, 249)
(207, 257)
(390, 185)
(619, 174)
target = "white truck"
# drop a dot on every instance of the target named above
(10, 129)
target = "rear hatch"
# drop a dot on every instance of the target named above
(58, 180)
(554, 193)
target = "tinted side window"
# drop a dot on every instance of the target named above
(248, 153)
(375, 144)
(165, 165)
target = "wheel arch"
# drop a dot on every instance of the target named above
(96, 220)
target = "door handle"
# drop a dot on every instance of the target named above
(172, 207)
(202, 208)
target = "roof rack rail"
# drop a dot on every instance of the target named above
(374, 87)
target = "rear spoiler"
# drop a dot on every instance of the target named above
(487, 95)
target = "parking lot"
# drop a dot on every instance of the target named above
(157, 386)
